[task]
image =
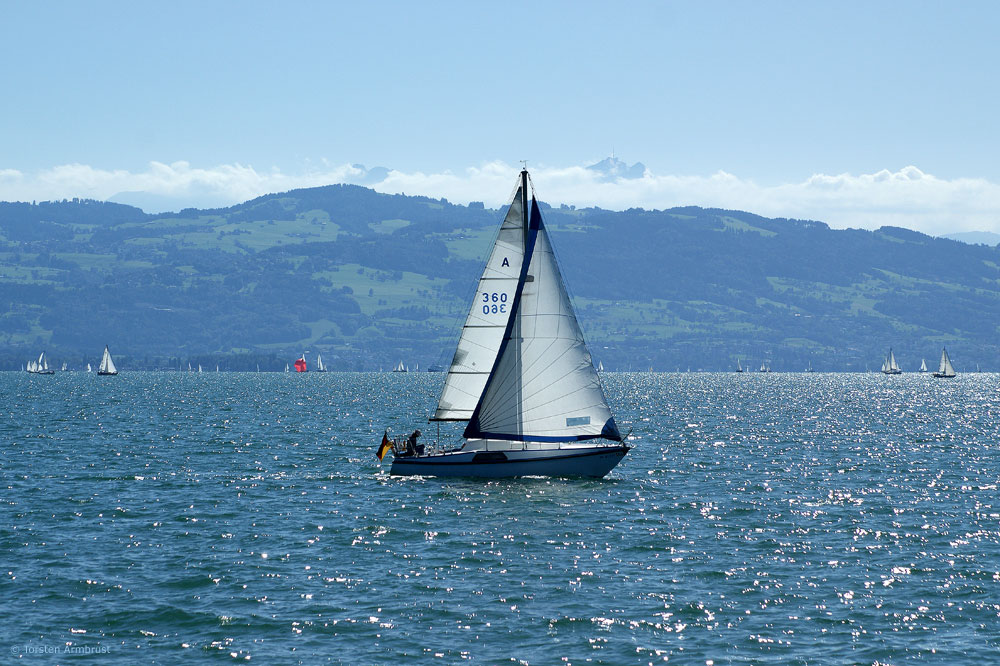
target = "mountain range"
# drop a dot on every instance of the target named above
(371, 279)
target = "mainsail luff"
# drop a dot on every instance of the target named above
(543, 385)
(488, 316)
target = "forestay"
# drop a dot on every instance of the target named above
(543, 386)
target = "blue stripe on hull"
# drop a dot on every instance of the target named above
(595, 464)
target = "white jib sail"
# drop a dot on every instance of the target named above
(483, 330)
(107, 365)
(544, 387)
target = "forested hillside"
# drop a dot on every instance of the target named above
(371, 279)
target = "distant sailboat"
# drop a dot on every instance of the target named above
(64, 367)
(739, 367)
(765, 366)
(300, 364)
(319, 363)
(190, 369)
(89, 369)
(199, 367)
(522, 376)
(107, 366)
(600, 366)
(399, 368)
(923, 365)
(945, 369)
(889, 366)
(41, 366)
(809, 368)
(286, 367)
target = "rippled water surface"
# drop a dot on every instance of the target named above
(787, 519)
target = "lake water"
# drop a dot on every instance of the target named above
(787, 519)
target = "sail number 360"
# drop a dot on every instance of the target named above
(494, 303)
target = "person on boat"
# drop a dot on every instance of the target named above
(412, 447)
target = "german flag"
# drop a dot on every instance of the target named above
(384, 446)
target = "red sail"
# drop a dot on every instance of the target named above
(300, 365)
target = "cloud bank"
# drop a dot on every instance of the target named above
(906, 198)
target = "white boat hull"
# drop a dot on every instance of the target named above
(574, 460)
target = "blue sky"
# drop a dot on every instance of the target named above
(854, 113)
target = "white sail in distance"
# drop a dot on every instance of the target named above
(543, 386)
(487, 319)
(107, 366)
(945, 367)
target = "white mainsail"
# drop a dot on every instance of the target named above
(319, 363)
(543, 386)
(923, 365)
(89, 369)
(484, 326)
(107, 366)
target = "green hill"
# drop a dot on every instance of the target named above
(370, 279)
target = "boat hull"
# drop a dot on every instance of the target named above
(591, 461)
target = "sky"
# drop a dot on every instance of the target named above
(857, 114)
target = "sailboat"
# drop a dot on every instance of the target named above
(522, 376)
(739, 368)
(889, 366)
(399, 368)
(107, 366)
(923, 365)
(286, 367)
(89, 369)
(41, 366)
(300, 363)
(600, 366)
(765, 367)
(319, 363)
(945, 369)
(64, 367)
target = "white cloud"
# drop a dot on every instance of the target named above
(906, 198)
